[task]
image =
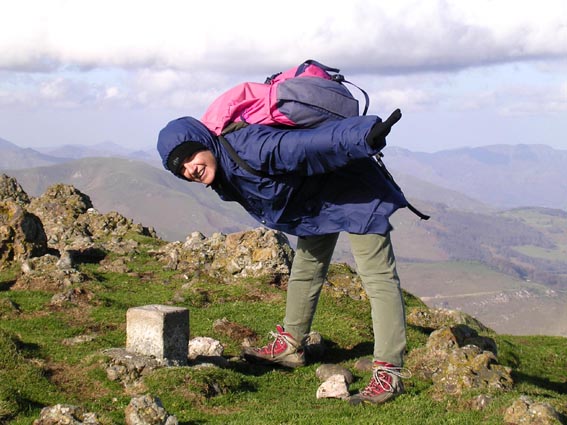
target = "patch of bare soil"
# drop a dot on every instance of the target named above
(75, 381)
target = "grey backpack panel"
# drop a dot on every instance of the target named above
(308, 101)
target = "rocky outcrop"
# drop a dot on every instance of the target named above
(470, 367)
(436, 318)
(526, 411)
(47, 273)
(254, 253)
(66, 414)
(72, 223)
(459, 355)
(343, 280)
(62, 222)
(59, 209)
(21, 233)
(148, 410)
(10, 190)
(457, 359)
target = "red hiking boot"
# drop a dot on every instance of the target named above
(284, 351)
(386, 384)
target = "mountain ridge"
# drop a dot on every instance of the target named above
(493, 176)
(503, 176)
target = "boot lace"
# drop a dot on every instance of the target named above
(382, 379)
(279, 343)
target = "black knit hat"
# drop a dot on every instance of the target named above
(178, 155)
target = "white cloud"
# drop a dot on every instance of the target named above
(375, 36)
(175, 56)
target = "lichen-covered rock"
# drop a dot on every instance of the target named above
(74, 296)
(72, 223)
(426, 361)
(459, 336)
(66, 414)
(11, 190)
(129, 368)
(364, 364)
(47, 273)
(111, 230)
(59, 208)
(255, 253)
(21, 234)
(436, 318)
(525, 411)
(8, 308)
(480, 402)
(470, 367)
(148, 410)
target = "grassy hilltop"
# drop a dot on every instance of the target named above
(53, 353)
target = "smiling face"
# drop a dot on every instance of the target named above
(200, 167)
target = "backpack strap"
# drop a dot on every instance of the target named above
(236, 158)
(339, 78)
(308, 62)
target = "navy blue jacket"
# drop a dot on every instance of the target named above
(322, 180)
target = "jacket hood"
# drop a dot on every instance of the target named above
(185, 129)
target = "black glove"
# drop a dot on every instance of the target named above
(376, 138)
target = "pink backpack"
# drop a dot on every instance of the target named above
(304, 96)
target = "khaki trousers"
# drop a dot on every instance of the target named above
(376, 265)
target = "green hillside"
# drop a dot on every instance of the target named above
(54, 353)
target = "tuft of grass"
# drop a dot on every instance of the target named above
(23, 384)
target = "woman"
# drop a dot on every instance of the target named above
(312, 183)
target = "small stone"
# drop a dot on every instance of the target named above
(115, 373)
(334, 387)
(65, 261)
(480, 402)
(205, 346)
(325, 371)
(364, 365)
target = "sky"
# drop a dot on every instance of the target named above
(464, 73)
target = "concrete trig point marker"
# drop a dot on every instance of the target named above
(160, 331)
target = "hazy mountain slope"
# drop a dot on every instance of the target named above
(502, 175)
(12, 156)
(520, 243)
(107, 149)
(144, 193)
(417, 190)
(503, 241)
